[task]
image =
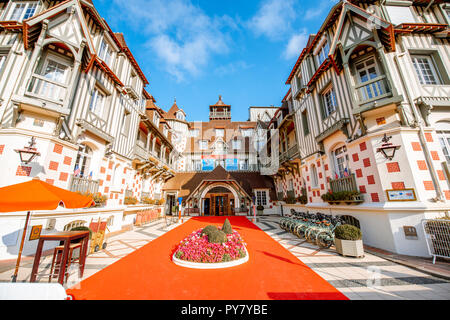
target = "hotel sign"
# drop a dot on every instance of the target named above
(401, 195)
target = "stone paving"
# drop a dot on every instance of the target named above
(367, 278)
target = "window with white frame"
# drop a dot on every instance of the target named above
(197, 165)
(22, 10)
(400, 14)
(126, 122)
(247, 132)
(165, 131)
(56, 71)
(314, 177)
(261, 197)
(97, 102)
(156, 118)
(193, 133)
(340, 158)
(243, 164)
(236, 144)
(443, 132)
(291, 185)
(82, 164)
(105, 52)
(203, 144)
(180, 116)
(425, 69)
(219, 132)
(329, 101)
(368, 70)
(3, 56)
(322, 55)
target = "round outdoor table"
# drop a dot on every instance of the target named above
(67, 237)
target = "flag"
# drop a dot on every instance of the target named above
(77, 171)
(90, 175)
(337, 177)
(346, 173)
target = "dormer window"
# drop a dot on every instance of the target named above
(23, 10)
(105, 52)
(156, 118)
(399, 14)
(323, 53)
(180, 116)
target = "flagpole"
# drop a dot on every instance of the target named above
(16, 271)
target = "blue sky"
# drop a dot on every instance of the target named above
(195, 50)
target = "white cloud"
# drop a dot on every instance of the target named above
(232, 67)
(319, 9)
(295, 45)
(273, 18)
(183, 37)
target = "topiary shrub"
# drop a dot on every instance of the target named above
(217, 237)
(227, 227)
(209, 229)
(347, 232)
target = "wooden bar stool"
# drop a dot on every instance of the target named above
(57, 256)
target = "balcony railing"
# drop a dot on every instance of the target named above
(344, 184)
(145, 195)
(374, 89)
(84, 185)
(43, 88)
(219, 114)
(292, 152)
(140, 151)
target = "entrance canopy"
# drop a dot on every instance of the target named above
(190, 185)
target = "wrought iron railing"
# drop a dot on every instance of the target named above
(47, 89)
(84, 185)
(344, 184)
(374, 89)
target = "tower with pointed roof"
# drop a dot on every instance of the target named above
(220, 111)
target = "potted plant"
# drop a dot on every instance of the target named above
(130, 200)
(260, 209)
(348, 241)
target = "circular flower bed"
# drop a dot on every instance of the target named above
(196, 251)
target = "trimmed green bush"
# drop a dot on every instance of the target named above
(347, 232)
(227, 227)
(209, 229)
(81, 228)
(260, 207)
(217, 237)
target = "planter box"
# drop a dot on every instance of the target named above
(259, 212)
(349, 247)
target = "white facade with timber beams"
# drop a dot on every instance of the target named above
(374, 68)
(70, 82)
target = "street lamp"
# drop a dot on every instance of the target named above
(27, 154)
(387, 148)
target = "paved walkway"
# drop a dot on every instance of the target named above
(368, 278)
(371, 277)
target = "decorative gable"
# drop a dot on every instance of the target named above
(67, 28)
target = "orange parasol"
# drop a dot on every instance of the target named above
(38, 195)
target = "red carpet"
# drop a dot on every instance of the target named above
(148, 273)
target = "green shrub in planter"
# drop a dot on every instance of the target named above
(260, 208)
(209, 229)
(217, 237)
(227, 227)
(348, 232)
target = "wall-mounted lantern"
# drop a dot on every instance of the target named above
(27, 154)
(387, 148)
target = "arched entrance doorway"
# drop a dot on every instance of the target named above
(218, 201)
